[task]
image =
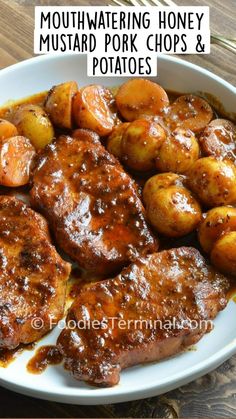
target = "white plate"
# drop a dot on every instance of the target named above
(142, 381)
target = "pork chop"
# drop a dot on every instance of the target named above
(155, 308)
(92, 205)
(32, 275)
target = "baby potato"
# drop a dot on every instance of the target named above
(140, 144)
(7, 129)
(157, 182)
(223, 254)
(219, 139)
(173, 211)
(178, 152)
(16, 155)
(58, 104)
(91, 109)
(159, 120)
(216, 222)
(213, 181)
(139, 97)
(114, 141)
(33, 122)
(189, 112)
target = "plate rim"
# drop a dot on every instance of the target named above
(162, 57)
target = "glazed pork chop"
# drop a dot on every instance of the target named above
(171, 295)
(91, 204)
(32, 275)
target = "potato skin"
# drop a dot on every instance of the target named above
(58, 104)
(114, 141)
(7, 129)
(32, 122)
(189, 112)
(178, 152)
(157, 182)
(140, 144)
(213, 181)
(215, 223)
(159, 120)
(219, 139)
(139, 97)
(173, 211)
(92, 109)
(223, 254)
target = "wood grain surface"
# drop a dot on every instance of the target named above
(213, 395)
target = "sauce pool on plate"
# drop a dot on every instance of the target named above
(44, 356)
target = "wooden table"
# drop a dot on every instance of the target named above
(213, 395)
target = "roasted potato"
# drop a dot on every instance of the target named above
(58, 104)
(16, 155)
(91, 109)
(215, 223)
(223, 254)
(158, 119)
(139, 97)
(213, 181)
(140, 144)
(114, 141)
(189, 112)
(7, 129)
(157, 182)
(32, 122)
(219, 139)
(173, 211)
(178, 152)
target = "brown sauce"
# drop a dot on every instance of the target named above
(76, 288)
(7, 109)
(231, 295)
(44, 356)
(9, 355)
(80, 279)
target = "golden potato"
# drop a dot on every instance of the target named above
(161, 181)
(219, 139)
(213, 181)
(216, 222)
(223, 254)
(140, 144)
(139, 97)
(159, 120)
(178, 152)
(189, 112)
(114, 141)
(92, 109)
(173, 211)
(32, 122)
(7, 129)
(58, 104)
